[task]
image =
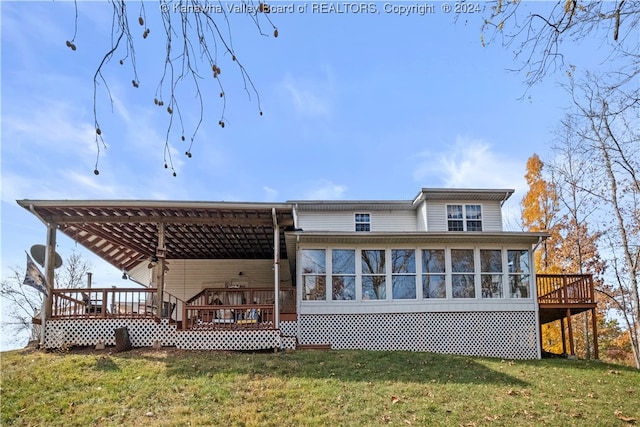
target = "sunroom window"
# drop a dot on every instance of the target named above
(343, 274)
(433, 274)
(374, 284)
(491, 273)
(519, 273)
(313, 267)
(462, 273)
(403, 273)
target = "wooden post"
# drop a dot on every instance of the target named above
(276, 268)
(594, 323)
(161, 253)
(49, 266)
(564, 339)
(570, 329)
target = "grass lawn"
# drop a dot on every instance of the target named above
(170, 387)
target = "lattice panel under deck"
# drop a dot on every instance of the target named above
(289, 328)
(493, 334)
(228, 340)
(88, 332)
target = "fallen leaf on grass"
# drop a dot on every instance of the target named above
(624, 418)
(395, 399)
(512, 392)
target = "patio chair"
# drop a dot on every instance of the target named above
(89, 306)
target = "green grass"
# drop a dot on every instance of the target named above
(310, 388)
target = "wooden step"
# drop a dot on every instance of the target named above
(313, 346)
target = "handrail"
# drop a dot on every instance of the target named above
(565, 288)
(113, 302)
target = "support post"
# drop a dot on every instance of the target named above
(564, 339)
(572, 349)
(49, 266)
(594, 323)
(276, 268)
(161, 253)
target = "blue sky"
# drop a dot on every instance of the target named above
(356, 106)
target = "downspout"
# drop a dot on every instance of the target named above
(276, 268)
(506, 197)
(535, 290)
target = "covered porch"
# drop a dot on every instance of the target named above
(199, 269)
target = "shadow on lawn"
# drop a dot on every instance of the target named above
(346, 365)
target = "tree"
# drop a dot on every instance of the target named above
(198, 45)
(23, 303)
(540, 36)
(540, 213)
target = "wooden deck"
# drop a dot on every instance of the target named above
(211, 309)
(559, 292)
(561, 296)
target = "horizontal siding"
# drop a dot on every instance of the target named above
(186, 278)
(404, 220)
(437, 215)
(492, 217)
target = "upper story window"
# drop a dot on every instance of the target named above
(464, 217)
(363, 222)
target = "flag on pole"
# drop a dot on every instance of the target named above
(34, 277)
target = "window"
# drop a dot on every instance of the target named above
(518, 261)
(433, 274)
(313, 267)
(462, 277)
(491, 273)
(374, 284)
(403, 273)
(343, 274)
(464, 217)
(454, 218)
(473, 215)
(363, 222)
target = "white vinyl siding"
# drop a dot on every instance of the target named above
(422, 217)
(437, 215)
(393, 221)
(186, 278)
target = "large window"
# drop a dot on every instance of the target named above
(433, 274)
(463, 277)
(343, 274)
(374, 285)
(519, 273)
(403, 273)
(464, 217)
(491, 273)
(363, 222)
(313, 267)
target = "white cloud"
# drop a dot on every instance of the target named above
(326, 190)
(270, 193)
(473, 163)
(310, 98)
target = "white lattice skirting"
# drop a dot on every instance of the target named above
(144, 332)
(511, 335)
(85, 332)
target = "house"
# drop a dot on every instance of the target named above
(436, 273)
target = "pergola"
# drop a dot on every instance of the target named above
(126, 233)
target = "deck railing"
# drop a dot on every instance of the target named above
(565, 289)
(112, 302)
(240, 296)
(228, 317)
